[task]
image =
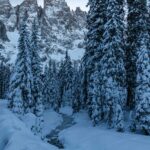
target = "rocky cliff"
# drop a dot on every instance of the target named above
(60, 28)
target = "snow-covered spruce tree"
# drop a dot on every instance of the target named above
(51, 86)
(21, 79)
(112, 73)
(18, 103)
(47, 86)
(135, 14)
(55, 95)
(76, 102)
(68, 76)
(4, 79)
(61, 76)
(37, 83)
(142, 96)
(95, 24)
(94, 107)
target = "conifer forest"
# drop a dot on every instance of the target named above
(75, 79)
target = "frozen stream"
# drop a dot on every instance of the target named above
(53, 137)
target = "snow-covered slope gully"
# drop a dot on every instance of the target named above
(53, 137)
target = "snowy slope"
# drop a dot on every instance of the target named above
(14, 134)
(83, 136)
(11, 47)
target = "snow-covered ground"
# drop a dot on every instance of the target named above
(51, 121)
(83, 136)
(16, 135)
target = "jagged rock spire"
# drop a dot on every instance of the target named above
(5, 8)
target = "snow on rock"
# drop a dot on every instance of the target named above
(83, 136)
(60, 29)
(14, 134)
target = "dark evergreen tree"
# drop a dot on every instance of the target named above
(68, 76)
(76, 89)
(21, 79)
(142, 92)
(4, 79)
(37, 82)
(135, 27)
(47, 86)
(95, 24)
(112, 74)
(143, 86)
(94, 107)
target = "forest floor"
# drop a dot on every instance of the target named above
(65, 131)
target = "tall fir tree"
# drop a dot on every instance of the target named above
(68, 76)
(47, 86)
(142, 95)
(37, 82)
(94, 107)
(142, 92)
(135, 27)
(76, 89)
(4, 79)
(95, 23)
(112, 67)
(22, 77)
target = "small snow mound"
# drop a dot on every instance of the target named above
(14, 134)
(66, 110)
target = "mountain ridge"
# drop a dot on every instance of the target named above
(60, 28)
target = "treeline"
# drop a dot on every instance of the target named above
(116, 65)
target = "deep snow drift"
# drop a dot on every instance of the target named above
(83, 136)
(16, 135)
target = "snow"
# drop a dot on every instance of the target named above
(66, 110)
(14, 134)
(83, 136)
(11, 48)
(29, 120)
(51, 121)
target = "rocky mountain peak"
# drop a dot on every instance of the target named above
(5, 8)
(3, 35)
(29, 6)
(79, 12)
(54, 3)
(60, 29)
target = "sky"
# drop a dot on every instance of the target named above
(72, 3)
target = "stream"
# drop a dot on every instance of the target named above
(53, 137)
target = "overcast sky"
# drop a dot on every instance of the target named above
(78, 3)
(72, 3)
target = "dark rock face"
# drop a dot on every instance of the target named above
(3, 35)
(29, 6)
(5, 8)
(60, 28)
